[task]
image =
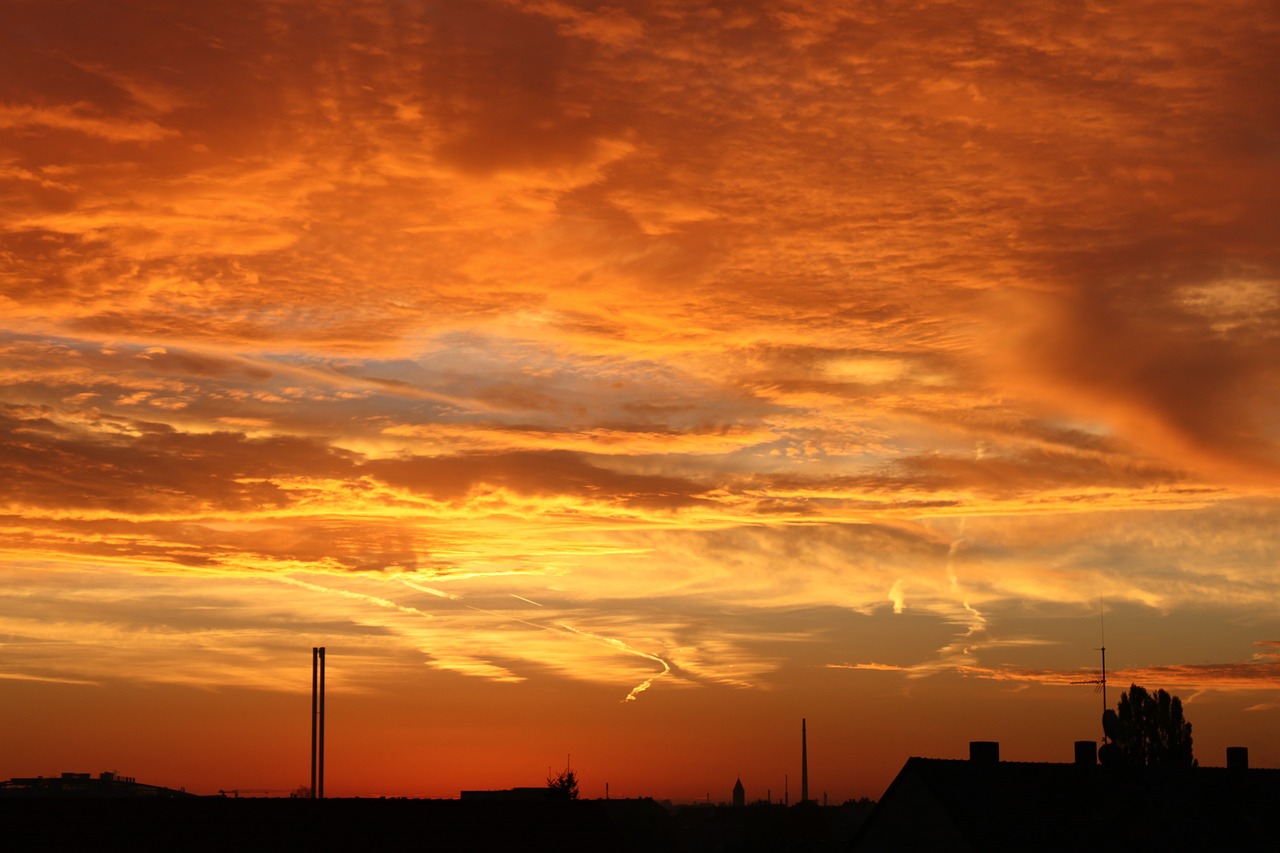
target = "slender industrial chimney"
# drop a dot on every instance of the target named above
(320, 779)
(317, 722)
(804, 761)
(315, 695)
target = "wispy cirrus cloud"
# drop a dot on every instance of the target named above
(1251, 675)
(740, 339)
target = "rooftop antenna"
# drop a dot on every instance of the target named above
(1101, 682)
(1102, 634)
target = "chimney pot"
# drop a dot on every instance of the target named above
(1237, 758)
(984, 751)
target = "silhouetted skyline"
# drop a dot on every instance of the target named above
(632, 380)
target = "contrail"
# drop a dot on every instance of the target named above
(618, 644)
(15, 676)
(608, 641)
(559, 626)
(439, 593)
(359, 596)
(522, 598)
(979, 622)
(646, 684)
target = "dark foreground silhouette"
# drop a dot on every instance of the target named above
(435, 825)
(988, 804)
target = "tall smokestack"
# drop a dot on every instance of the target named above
(315, 695)
(320, 780)
(317, 722)
(804, 761)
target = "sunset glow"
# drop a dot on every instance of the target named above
(630, 381)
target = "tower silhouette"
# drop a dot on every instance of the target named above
(804, 761)
(317, 722)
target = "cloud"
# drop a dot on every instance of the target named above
(67, 118)
(713, 331)
(1253, 675)
(151, 469)
(897, 596)
(550, 473)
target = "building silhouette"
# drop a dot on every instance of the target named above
(85, 786)
(526, 795)
(739, 794)
(988, 804)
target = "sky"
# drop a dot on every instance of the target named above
(623, 383)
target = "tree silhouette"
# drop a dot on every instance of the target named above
(563, 785)
(1147, 730)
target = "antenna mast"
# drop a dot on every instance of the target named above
(1102, 627)
(1101, 682)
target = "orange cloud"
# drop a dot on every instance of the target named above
(741, 339)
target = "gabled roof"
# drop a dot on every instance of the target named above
(946, 804)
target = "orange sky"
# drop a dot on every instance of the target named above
(631, 381)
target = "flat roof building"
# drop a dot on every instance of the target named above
(106, 785)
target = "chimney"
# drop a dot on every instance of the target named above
(804, 762)
(1086, 753)
(984, 751)
(1237, 758)
(317, 722)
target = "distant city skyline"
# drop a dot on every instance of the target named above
(632, 381)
